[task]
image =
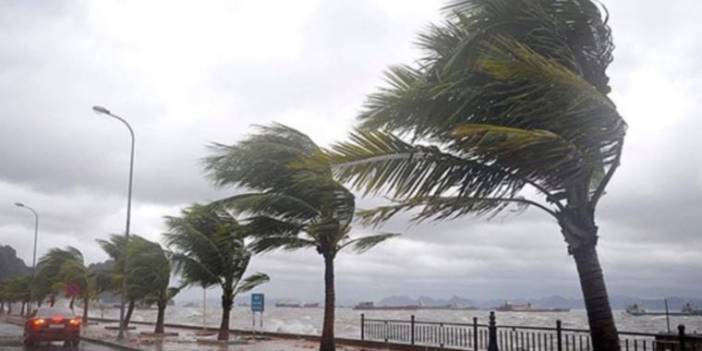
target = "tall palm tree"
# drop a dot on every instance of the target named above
(291, 206)
(209, 249)
(511, 95)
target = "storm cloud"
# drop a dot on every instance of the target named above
(187, 74)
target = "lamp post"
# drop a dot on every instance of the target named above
(104, 111)
(34, 254)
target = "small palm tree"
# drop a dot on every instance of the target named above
(13, 291)
(150, 271)
(48, 281)
(510, 96)
(114, 247)
(293, 207)
(208, 249)
(75, 273)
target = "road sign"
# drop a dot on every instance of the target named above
(257, 302)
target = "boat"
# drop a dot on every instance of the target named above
(687, 310)
(635, 310)
(370, 306)
(292, 304)
(508, 307)
(288, 304)
(691, 310)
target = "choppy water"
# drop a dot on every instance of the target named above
(309, 320)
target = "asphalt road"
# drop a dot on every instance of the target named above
(11, 336)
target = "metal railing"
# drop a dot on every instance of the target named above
(493, 337)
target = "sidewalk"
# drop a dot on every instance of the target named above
(187, 340)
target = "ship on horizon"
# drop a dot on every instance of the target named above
(688, 310)
(508, 307)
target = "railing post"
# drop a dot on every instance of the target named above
(681, 336)
(412, 330)
(385, 331)
(492, 333)
(475, 333)
(363, 326)
(559, 334)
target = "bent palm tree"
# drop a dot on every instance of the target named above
(293, 207)
(150, 272)
(511, 94)
(49, 281)
(209, 250)
(136, 291)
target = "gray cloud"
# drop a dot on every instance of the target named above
(194, 75)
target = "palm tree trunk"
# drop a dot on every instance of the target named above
(73, 300)
(227, 302)
(599, 313)
(2, 307)
(128, 317)
(9, 308)
(24, 304)
(159, 318)
(86, 302)
(327, 343)
(52, 300)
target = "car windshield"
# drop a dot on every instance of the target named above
(54, 311)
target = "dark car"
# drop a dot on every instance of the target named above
(52, 324)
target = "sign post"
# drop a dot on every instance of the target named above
(257, 305)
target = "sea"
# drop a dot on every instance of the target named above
(348, 321)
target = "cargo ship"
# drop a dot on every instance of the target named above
(687, 310)
(508, 307)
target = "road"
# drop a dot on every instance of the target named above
(10, 340)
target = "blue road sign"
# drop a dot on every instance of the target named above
(257, 302)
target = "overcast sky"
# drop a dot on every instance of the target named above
(189, 73)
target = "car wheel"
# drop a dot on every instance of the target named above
(28, 342)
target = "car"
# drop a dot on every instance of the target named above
(47, 324)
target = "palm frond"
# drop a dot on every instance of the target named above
(273, 242)
(378, 161)
(363, 244)
(251, 282)
(273, 204)
(441, 208)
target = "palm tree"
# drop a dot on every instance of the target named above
(114, 247)
(151, 271)
(509, 101)
(209, 249)
(292, 206)
(48, 281)
(75, 273)
(12, 291)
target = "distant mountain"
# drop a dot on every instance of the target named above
(424, 301)
(11, 266)
(617, 302)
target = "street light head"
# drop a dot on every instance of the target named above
(19, 204)
(101, 110)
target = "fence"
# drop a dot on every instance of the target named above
(493, 337)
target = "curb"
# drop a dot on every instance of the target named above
(371, 344)
(109, 344)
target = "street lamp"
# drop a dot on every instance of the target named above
(36, 234)
(103, 111)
